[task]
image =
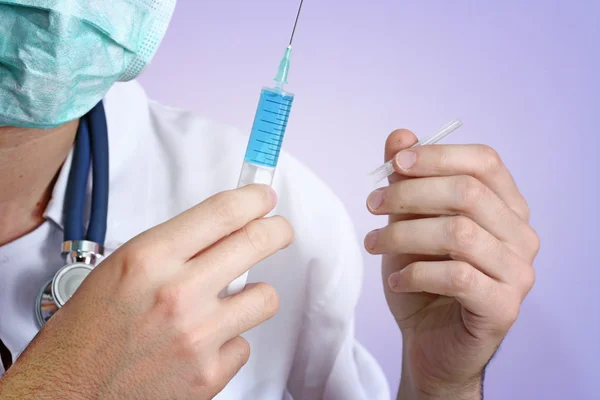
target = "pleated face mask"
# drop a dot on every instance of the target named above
(58, 58)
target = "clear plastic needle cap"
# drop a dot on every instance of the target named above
(387, 169)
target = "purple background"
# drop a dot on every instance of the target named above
(523, 76)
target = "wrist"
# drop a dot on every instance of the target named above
(467, 391)
(28, 381)
(435, 389)
(16, 388)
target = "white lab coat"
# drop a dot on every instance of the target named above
(164, 161)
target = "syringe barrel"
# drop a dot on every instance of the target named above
(268, 130)
(264, 147)
(252, 173)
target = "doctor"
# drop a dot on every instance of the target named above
(148, 323)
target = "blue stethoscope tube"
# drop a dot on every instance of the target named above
(81, 248)
(99, 135)
(91, 145)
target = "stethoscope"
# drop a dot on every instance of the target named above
(82, 250)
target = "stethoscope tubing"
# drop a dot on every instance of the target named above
(99, 146)
(77, 185)
(91, 148)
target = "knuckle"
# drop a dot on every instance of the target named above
(226, 207)
(413, 273)
(263, 305)
(285, 231)
(391, 235)
(510, 316)
(265, 195)
(270, 299)
(528, 278)
(492, 160)
(258, 235)
(191, 343)
(533, 241)
(442, 158)
(524, 212)
(462, 234)
(208, 376)
(246, 317)
(462, 277)
(186, 346)
(136, 262)
(399, 194)
(469, 191)
(168, 299)
(242, 350)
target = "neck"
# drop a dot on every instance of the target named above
(30, 160)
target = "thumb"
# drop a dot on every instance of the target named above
(398, 140)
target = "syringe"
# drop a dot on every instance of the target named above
(387, 169)
(266, 138)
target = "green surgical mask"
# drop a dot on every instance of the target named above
(58, 58)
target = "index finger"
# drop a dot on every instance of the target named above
(196, 229)
(479, 161)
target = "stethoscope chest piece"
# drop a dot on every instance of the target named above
(82, 256)
(66, 282)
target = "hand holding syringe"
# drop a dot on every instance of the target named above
(387, 169)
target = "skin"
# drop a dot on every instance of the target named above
(457, 261)
(457, 264)
(30, 160)
(148, 322)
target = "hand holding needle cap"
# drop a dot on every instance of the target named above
(387, 169)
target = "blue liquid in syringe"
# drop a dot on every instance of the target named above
(269, 126)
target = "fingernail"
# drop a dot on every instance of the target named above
(406, 159)
(371, 240)
(394, 282)
(375, 199)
